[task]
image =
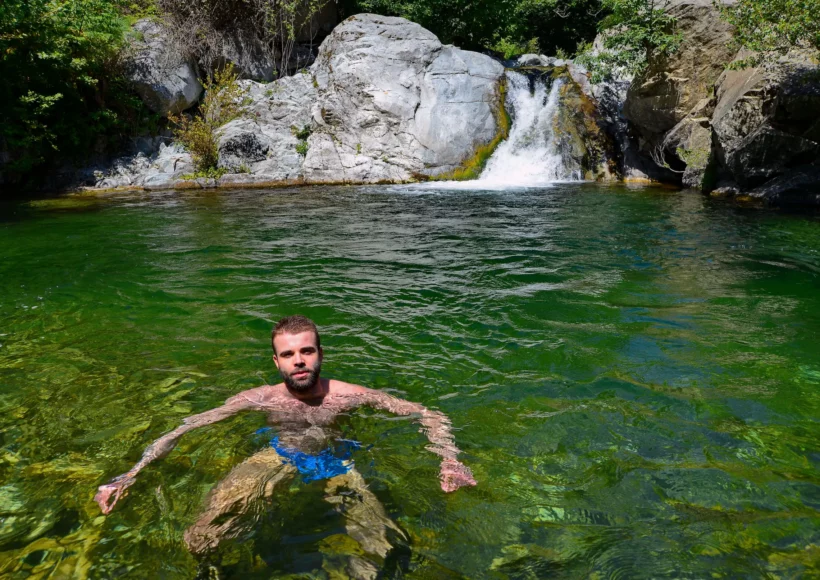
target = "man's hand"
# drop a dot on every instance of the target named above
(455, 474)
(110, 493)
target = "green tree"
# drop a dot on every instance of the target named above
(59, 91)
(774, 26)
(634, 33)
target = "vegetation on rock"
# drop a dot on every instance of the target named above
(633, 32)
(775, 26)
(224, 101)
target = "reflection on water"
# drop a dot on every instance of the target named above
(633, 376)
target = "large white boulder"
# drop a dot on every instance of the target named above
(385, 101)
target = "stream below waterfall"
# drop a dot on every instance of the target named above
(632, 374)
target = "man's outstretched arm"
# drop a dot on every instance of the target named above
(108, 494)
(436, 426)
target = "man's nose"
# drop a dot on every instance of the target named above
(297, 360)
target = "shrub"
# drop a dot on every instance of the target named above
(635, 32)
(224, 101)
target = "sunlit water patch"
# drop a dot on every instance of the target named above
(633, 377)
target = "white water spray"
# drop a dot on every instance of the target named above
(532, 154)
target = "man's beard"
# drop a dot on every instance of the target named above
(305, 384)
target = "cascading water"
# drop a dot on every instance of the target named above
(532, 154)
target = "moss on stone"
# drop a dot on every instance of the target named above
(472, 167)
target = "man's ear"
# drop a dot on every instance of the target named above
(275, 360)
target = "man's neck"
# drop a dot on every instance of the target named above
(317, 392)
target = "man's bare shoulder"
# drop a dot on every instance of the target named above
(263, 395)
(342, 388)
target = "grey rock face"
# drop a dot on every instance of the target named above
(691, 142)
(248, 57)
(159, 168)
(385, 101)
(767, 119)
(265, 140)
(670, 88)
(800, 186)
(166, 82)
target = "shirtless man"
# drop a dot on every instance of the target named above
(303, 408)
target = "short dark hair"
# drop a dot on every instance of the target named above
(294, 325)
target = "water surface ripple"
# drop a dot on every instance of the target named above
(633, 376)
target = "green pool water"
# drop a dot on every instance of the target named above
(633, 376)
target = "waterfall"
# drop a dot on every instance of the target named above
(532, 154)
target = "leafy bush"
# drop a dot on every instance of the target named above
(61, 90)
(635, 31)
(774, 26)
(224, 101)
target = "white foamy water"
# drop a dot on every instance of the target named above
(532, 154)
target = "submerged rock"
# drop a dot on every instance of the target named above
(165, 80)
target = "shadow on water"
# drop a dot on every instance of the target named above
(632, 374)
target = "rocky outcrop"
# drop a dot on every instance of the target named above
(581, 130)
(799, 186)
(385, 101)
(166, 82)
(767, 119)
(158, 165)
(394, 103)
(715, 124)
(671, 87)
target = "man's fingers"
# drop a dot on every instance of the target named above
(107, 496)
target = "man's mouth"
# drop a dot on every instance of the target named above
(300, 374)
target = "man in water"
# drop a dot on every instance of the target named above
(303, 408)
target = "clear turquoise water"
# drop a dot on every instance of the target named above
(634, 376)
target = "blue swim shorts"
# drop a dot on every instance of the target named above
(330, 462)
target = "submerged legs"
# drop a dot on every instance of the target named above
(366, 521)
(232, 498)
(231, 502)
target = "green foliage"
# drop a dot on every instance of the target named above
(505, 26)
(301, 134)
(635, 32)
(61, 89)
(508, 48)
(224, 101)
(774, 26)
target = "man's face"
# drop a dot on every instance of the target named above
(298, 359)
